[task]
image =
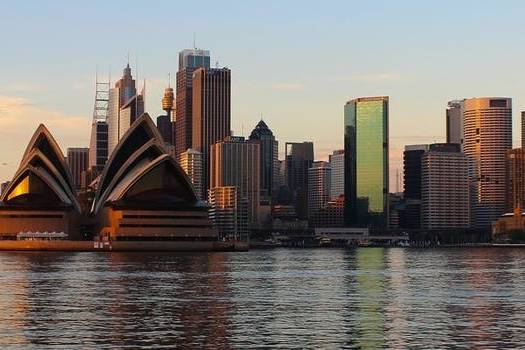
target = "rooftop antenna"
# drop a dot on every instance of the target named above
(169, 79)
(217, 64)
(194, 40)
(128, 58)
(261, 116)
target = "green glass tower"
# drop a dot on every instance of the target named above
(366, 162)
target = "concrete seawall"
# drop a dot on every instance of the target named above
(122, 246)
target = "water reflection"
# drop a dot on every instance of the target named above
(362, 298)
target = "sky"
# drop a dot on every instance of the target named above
(295, 63)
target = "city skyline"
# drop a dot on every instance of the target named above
(302, 87)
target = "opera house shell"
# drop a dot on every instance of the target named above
(142, 195)
(41, 196)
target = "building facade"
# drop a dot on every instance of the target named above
(487, 138)
(319, 185)
(299, 157)
(337, 163)
(211, 112)
(189, 61)
(444, 188)
(516, 180)
(235, 162)
(78, 162)
(98, 145)
(366, 162)
(191, 163)
(229, 212)
(410, 217)
(269, 159)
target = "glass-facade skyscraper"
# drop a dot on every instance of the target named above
(366, 162)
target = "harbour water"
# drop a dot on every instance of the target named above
(293, 298)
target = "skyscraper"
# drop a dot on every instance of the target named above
(487, 138)
(444, 188)
(98, 145)
(269, 159)
(211, 112)
(189, 61)
(125, 105)
(455, 122)
(299, 157)
(410, 217)
(77, 160)
(235, 162)
(337, 163)
(191, 162)
(366, 162)
(319, 184)
(516, 180)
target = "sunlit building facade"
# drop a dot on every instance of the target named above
(78, 161)
(487, 135)
(366, 162)
(337, 163)
(191, 163)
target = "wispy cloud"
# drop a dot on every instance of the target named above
(288, 86)
(368, 78)
(19, 118)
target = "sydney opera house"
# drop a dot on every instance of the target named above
(142, 195)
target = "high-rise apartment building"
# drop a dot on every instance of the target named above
(516, 180)
(337, 163)
(487, 138)
(191, 163)
(125, 105)
(366, 162)
(299, 157)
(78, 161)
(211, 112)
(444, 188)
(235, 162)
(410, 217)
(269, 159)
(454, 116)
(319, 185)
(189, 61)
(229, 212)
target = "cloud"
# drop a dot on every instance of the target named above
(288, 86)
(369, 78)
(19, 118)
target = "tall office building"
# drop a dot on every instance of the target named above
(189, 61)
(454, 117)
(444, 188)
(125, 105)
(410, 217)
(299, 157)
(487, 138)
(516, 180)
(229, 212)
(235, 162)
(366, 162)
(164, 122)
(98, 145)
(211, 112)
(269, 159)
(319, 184)
(191, 163)
(78, 161)
(337, 163)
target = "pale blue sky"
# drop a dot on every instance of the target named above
(296, 62)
